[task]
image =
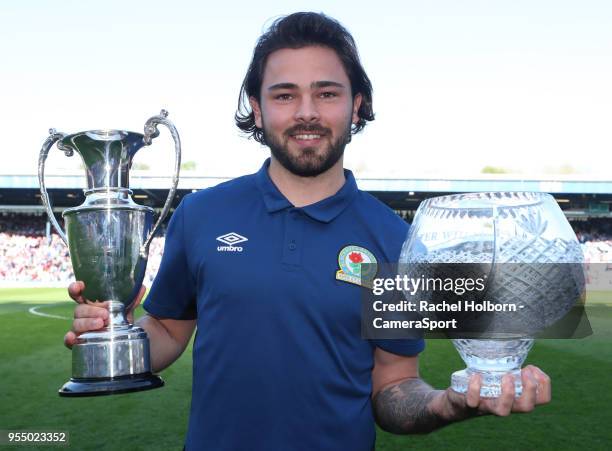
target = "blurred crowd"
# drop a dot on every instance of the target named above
(595, 235)
(29, 253)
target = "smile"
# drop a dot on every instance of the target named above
(306, 137)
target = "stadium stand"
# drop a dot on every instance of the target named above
(31, 253)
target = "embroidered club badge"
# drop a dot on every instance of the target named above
(357, 265)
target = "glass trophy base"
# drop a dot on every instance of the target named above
(110, 385)
(491, 382)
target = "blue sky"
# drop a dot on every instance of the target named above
(458, 85)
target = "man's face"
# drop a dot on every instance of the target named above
(306, 109)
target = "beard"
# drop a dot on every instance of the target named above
(309, 162)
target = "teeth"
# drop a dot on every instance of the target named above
(307, 136)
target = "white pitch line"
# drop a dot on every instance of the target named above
(34, 311)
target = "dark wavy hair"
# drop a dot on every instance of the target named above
(296, 31)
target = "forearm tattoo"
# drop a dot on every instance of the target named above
(407, 408)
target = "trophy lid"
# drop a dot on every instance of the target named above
(106, 154)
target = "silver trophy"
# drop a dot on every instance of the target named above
(108, 237)
(530, 258)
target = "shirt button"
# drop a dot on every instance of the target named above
(292, 246)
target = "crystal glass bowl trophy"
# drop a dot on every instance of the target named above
(108, 237)
(533, 260)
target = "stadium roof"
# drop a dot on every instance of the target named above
(579, 198)
(485, 182)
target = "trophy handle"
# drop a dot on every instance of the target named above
(150, 132)
(44, 152)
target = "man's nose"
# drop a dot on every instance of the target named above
(307, 110)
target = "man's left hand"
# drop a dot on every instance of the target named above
(536, 391)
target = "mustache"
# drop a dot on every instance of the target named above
(307, 129)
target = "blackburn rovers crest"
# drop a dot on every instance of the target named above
(357, 265)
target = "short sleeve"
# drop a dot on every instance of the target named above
(407, 347)
(173, 294)
(399, 346)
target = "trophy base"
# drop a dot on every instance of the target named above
(111, 385)
(491, 382)
(111, 361)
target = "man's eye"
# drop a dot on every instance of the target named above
(328, 95)
(284, 97)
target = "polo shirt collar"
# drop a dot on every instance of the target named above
(325, 210)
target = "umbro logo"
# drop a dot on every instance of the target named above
(230, 240)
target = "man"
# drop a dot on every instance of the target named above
(258, 264)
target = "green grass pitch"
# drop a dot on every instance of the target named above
(34, 364)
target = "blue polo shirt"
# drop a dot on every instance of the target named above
(278, 358)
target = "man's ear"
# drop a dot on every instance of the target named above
(256, 111)
(356, 104)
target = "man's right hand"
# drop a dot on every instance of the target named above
(90, 315)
